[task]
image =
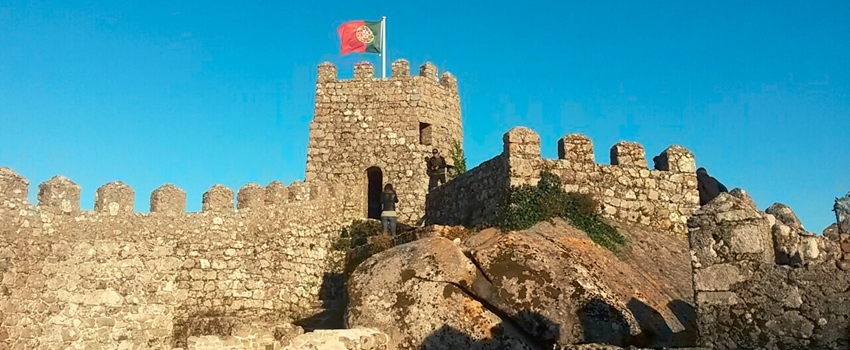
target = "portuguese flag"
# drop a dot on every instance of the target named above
(360, 36)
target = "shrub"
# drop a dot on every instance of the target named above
(528, 205)
(459, 160)
(380, 243)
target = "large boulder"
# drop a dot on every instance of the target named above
(418, 294)
(547, 290)
(785, 215)
(546, 286)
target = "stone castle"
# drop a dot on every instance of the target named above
(115, 278)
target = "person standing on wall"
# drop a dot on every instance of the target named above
(436, 169)
(709, 187)
(389, 218)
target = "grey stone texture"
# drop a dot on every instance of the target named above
(471, 198)
(628, 190)
(113, 278)
(762, 282)
(388, 124)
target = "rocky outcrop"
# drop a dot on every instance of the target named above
(785, 215)
(420, 291)
(744, 196)
(793, 245)
(546, 286)
(747, 298)
(840, 231)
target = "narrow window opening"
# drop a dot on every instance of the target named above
(375, 178)
(425, 134)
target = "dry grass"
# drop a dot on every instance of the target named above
(460, 232)
(380, 243)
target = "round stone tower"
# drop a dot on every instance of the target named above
(367, 132)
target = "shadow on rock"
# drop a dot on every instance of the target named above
(506, 335)
(687, 316)
(654, 329)
(602, 323)
(334, 299)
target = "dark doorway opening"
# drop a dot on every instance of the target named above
(375, 185)
(425, 134)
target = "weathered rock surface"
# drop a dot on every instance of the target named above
(415, 293)
(785, 215)
(746, 300)
(546, 286)
(741, 194)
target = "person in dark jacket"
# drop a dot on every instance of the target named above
(709, 187)
(436, 169)
(389, 218)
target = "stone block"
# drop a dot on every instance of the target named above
(521, 142)
(251, 195)
(428, 71)
(218, 198)
(59, 193)
(746, 239)
(114, 198)
(727, 229)
(576, 148)
(448, 81)
(400, 68)
(169, 200)
(625, 153)
(276, 193)
(327, 72)
(717, 298)
(13, 187)
(299, 191)
(676, 159)
(364, 71)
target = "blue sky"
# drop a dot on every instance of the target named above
(161, 92)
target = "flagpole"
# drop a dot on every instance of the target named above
(383, 47)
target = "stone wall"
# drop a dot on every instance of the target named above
(367, 122)
(112, 277)
(762, 282)
(662, 197)
(471, 198)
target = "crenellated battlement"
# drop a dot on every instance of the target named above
(400, 72)
(383, 127)
(662, 196)
(62, 195)
(576, 148)
(261, 257)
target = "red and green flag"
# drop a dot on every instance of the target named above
(360, 36)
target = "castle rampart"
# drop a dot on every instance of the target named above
(662, 197)
(112, 277)
(761, 282)
(386, 128)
